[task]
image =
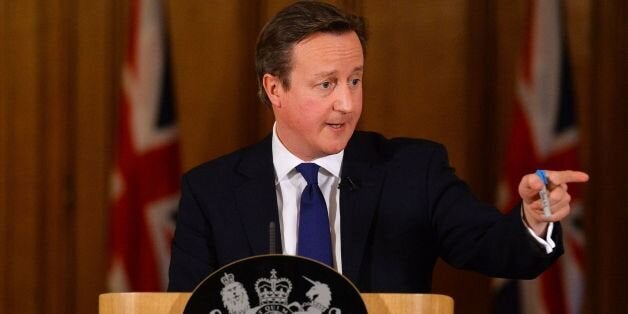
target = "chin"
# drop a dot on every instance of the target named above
(336, 148)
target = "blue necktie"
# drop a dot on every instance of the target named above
(314, 236)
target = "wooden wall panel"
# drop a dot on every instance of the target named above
(4, 155)
(40, 229)
(481, 127)
(214, 76)
(96, 89)
(412, 90)
(24, 165)
(56, 78)
(608, 191)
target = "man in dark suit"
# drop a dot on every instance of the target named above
(392, 206)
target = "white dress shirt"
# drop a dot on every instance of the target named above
(289, 185)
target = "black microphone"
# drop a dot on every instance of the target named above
(348, 183)
(272, 247)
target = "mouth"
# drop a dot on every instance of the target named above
(336, 125)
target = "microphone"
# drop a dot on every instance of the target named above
(348, 183)
(272, 247)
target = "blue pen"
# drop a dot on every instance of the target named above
(543, 194)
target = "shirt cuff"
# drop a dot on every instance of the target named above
(547, 243)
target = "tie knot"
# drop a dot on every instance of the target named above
(309, 171)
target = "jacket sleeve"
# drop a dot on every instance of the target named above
(476, 236)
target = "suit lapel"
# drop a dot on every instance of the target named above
(358, 203)
(256, 198)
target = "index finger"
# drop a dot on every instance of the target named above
(566, 176)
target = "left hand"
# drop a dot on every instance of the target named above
(529, 189)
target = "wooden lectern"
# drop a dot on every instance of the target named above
(379, 303)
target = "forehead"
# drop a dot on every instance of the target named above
(327, 48)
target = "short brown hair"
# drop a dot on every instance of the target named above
(294, 23)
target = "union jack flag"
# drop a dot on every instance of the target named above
(544, 135)
(145, 179)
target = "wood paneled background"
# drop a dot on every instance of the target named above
(442, 70)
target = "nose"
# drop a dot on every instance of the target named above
(344, 100)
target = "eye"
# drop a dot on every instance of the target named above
(355, 82)
(326, 85)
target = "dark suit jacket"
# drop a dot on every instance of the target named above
(404, 209)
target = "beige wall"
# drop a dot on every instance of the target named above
(437, 69)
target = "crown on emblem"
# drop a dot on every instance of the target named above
(227, 279)
(273, 290)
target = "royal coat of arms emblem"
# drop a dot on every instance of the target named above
(275, 284)
(273, 294)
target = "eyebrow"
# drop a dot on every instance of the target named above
(330, 73)
(358, 69)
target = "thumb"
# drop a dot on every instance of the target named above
(530, 186)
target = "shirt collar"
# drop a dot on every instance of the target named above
(285, 161)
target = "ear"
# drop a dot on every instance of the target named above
(272, 86)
